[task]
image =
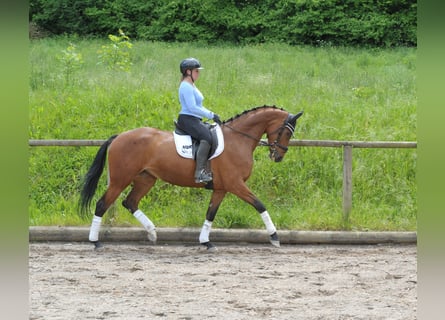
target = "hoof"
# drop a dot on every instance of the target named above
(97, 245)
(274, 240)
(152, 236)
(210, 247)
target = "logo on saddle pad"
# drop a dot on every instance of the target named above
(185, 148)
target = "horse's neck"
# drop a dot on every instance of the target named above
(250, 127)
(256, 123)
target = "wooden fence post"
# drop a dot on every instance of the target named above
(347, 181)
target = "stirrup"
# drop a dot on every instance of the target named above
(203, 176)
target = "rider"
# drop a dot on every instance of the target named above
(191, 114)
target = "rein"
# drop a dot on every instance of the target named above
(262, 143)
(280, 130)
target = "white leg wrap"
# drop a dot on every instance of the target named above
(270, 227)
(144, 220)
(148, 225)
(205, 231)
(94, 230)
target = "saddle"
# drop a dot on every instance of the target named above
(186, 146)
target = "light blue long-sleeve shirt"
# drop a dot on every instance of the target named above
(191, 101)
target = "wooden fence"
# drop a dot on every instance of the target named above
(346, 145)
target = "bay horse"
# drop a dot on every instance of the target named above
(141, 156)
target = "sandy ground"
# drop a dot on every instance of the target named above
(141, 281)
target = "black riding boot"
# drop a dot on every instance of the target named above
(201, 175)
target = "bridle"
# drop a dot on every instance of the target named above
(276, 143)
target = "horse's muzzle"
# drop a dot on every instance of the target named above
(275, 156)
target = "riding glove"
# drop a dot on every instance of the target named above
(217, 119)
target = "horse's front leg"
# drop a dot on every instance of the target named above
(270, 227)
(244, 193)
(215, 201)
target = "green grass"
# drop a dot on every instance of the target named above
(346, 93)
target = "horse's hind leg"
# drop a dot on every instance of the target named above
(141, 185)
(102, 206)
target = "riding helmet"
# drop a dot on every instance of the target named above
(189, 64)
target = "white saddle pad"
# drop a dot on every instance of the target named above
(184, 144)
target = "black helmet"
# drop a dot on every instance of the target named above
(189, 64)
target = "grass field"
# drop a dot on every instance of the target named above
(346, 93)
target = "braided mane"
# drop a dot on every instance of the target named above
(251, 110)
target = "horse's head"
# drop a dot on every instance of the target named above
(278, 139)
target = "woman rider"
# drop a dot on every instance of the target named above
(191, 114)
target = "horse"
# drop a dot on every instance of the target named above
(141, 156)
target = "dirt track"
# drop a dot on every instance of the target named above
(139, 281)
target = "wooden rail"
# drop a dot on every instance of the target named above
(294, 143)
(346, 145)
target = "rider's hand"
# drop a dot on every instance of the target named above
(217, 119)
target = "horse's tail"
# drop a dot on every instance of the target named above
(91, 179)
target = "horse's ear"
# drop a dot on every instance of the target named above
(295, 117)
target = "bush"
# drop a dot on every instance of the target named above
(381, 23)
